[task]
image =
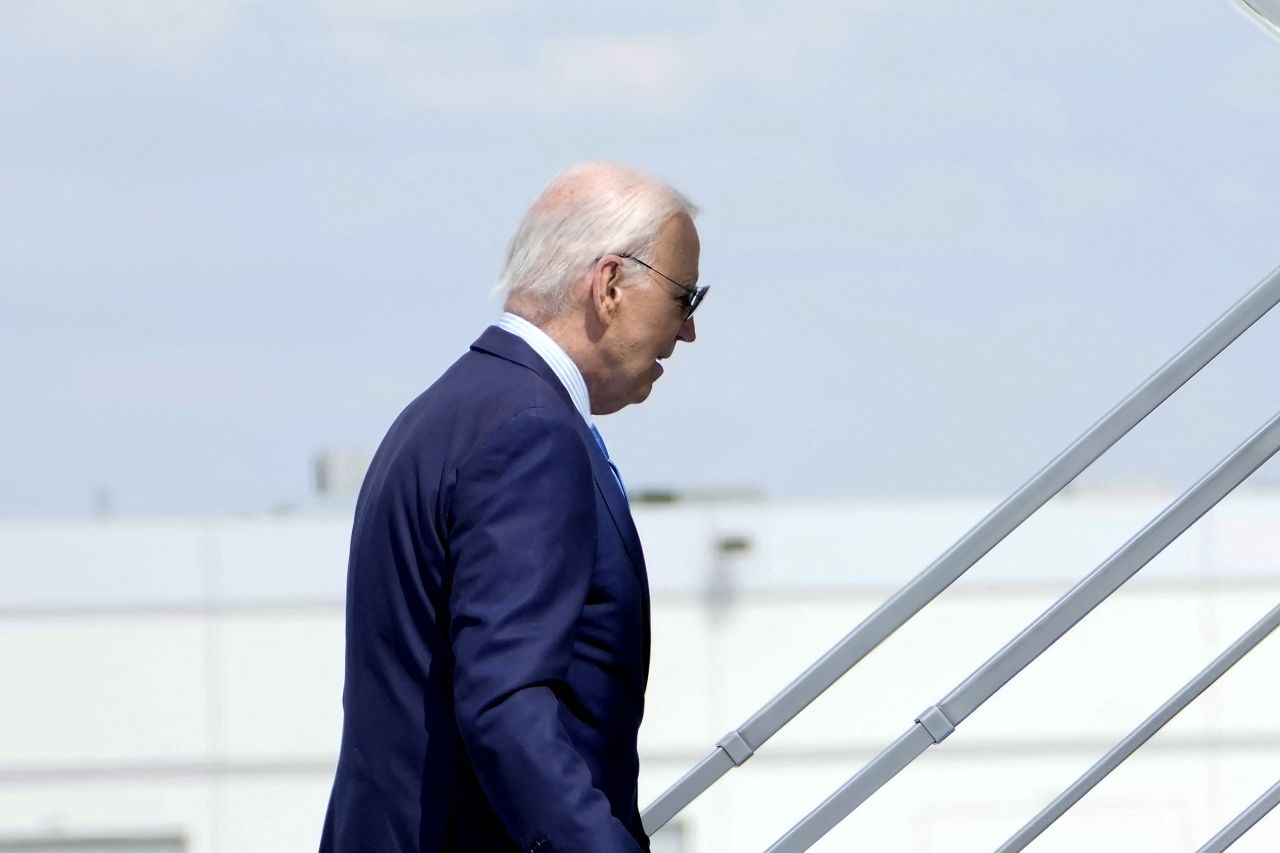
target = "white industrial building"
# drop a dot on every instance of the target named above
(173, 684)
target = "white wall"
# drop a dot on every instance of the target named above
(182, 677)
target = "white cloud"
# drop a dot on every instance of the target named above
(411, 12)
(490, 57)
(504, 56)
(162, 32)
(494, 57)
(473, 72)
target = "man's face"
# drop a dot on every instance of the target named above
(650, 317)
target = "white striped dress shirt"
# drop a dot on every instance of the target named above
(557, 359)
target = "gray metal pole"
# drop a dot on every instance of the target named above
(1266, 13)
(1231, 833)
(1243, 821)
(938, 721)
(738, 745)
(1143, 732)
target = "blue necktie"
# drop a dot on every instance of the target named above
(600, 441)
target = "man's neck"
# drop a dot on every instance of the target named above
(573, 340)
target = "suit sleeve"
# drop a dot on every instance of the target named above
(523, 544)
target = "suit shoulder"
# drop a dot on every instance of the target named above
(475, 397)
(481, 382)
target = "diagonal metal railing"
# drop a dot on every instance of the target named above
(937, 722)
(740, 744)
(1136, 738)
(1243, 822)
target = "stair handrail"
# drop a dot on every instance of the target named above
(1145, 730)
(738, 745)
(937, 722)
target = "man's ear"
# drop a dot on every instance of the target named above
(606, 288)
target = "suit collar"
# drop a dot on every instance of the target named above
(503, 344)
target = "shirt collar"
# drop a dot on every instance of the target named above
(555, 357)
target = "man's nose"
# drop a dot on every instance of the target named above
(687, 333)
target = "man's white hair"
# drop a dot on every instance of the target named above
(586, 211)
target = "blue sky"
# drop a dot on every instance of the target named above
(942, 238)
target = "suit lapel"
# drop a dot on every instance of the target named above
(611, 490)
(616, 501)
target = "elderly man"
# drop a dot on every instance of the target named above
(497, 602)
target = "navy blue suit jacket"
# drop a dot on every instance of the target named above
(497, 627)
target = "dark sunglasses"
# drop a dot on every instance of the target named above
(693, 295)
